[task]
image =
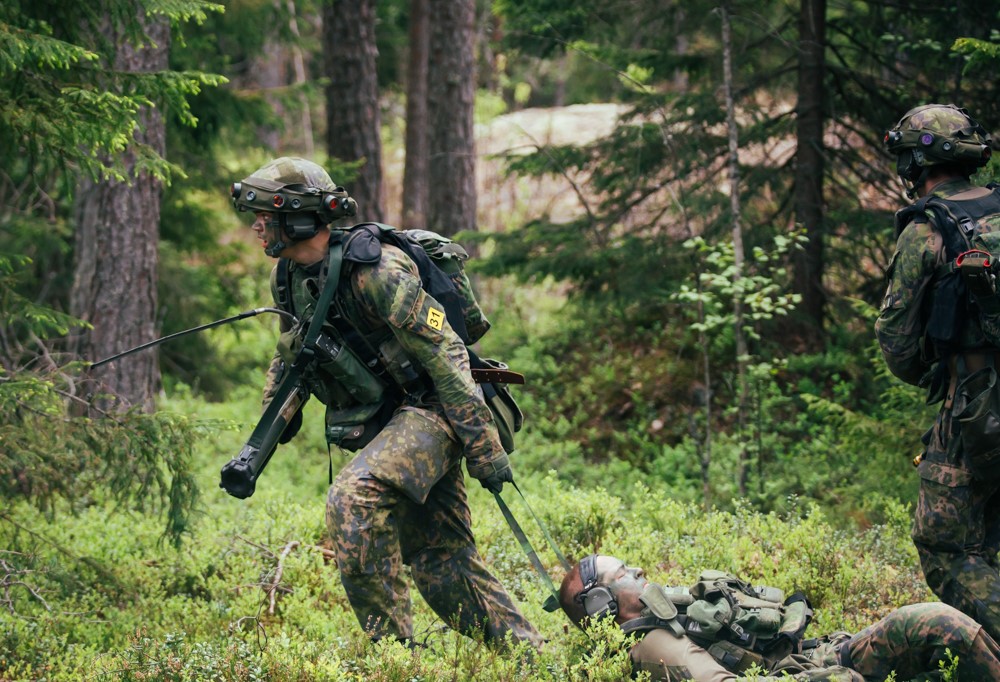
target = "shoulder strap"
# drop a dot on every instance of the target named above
(283, 285)
(956, 226)
(964, 216)
(334, 261)
(646, 623)
(940, 214)
(906, 214)
(262, 442)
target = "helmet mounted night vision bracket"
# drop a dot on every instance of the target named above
(932, 145)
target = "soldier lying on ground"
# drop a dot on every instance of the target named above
(722, 626)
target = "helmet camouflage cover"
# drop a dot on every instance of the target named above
(935, 134)
(292, 185)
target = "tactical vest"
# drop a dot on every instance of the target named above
(739, 624)
(363, 377)
(964, 287)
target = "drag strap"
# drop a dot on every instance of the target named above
(290, 381)
(334, 261)
(545, 531)
(552, 601)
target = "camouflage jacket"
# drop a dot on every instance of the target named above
(912, 278)
(386, 298)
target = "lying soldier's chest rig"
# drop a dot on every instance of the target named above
(739, 624)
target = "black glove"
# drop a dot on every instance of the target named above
(293, 427)
(502, 473)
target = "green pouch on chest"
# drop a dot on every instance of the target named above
(289, 344)
(711, 617)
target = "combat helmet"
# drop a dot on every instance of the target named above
(298, 193)
(936, 134)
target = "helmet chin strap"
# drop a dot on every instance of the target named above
(911, 192)
(909, 171)
(274, 250)
(275, 226)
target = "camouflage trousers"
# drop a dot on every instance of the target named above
(911, 641)
(402, 500)
(956, 529)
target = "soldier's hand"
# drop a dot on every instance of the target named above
(502, 473)
(293, 427)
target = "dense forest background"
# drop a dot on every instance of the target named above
(681, 215)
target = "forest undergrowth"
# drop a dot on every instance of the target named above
(252, 591)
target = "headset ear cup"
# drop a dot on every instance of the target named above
(906, 166)
(599, 602)
(299, 226)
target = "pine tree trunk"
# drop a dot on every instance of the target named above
(450, 91)
(415, 181)
(353, 119)
(117, 234)
(808, 267)
(738, 256)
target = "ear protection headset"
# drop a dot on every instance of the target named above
(596, 599)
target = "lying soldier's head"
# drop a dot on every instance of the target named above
(601, 586)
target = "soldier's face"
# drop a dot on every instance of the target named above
(261, 225)
(626, 583)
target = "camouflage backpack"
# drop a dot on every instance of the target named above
(966, 283)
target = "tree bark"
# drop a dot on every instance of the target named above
(353, 119)
(809, 163)
(117, 234)
(416, 186)
(299, 69)
(738, 256)
(450, 94)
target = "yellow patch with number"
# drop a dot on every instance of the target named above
(435, 319)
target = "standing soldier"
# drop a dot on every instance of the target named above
(938, 329)
(395, 378)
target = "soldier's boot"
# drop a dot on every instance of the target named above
(460, 588)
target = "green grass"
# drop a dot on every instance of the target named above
(97, 594)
